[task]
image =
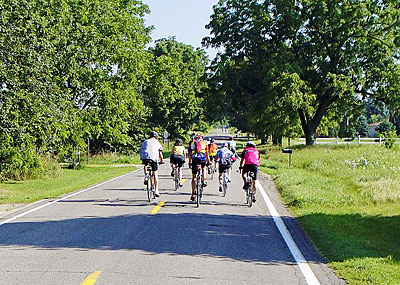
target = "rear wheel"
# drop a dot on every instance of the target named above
(251, 195)
(176, 179)
(149, 187)
(198, 190)
(225, 184)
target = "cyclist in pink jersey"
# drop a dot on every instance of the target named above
(251, 159)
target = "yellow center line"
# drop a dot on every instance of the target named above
(157, 208)
(91, 279)
(183, 181)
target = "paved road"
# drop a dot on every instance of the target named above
(108, 231)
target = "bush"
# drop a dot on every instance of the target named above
(18, 165)
(390, 139)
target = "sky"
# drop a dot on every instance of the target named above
(184, 19)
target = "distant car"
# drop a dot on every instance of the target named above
(220, 139)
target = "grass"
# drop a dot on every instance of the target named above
(112, 158)
(16, 192)
(347, 198)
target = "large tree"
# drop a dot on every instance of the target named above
(176, 82)
(70, 70)
(337, 52)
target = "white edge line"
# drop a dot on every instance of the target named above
(65, 197)
(298, 256)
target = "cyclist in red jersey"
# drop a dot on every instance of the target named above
(251, 159)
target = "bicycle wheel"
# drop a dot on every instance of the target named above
(198, 190)
(212, 172)
(149, 187)
(176, 179)
(225, 184)
(251, 195)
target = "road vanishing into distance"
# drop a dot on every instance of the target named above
(110, 234)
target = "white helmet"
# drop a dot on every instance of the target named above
(251, 143)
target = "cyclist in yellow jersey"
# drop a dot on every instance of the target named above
(178, 157)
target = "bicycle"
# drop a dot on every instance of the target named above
(250, 187)
(150, 188)
(224, 182)
(198, 186)
(176, 176)
(211, 170)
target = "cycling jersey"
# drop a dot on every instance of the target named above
(178, 150)
(150, 149)
(251, 156)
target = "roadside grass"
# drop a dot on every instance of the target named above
(112, 158)
(27, 191)
(347, 199)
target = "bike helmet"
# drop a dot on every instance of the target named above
(212, 140)
(250, 143)
(153, 134)
(178, 141)
(225, 144)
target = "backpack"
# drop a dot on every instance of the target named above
(226, 159)
(197, 146)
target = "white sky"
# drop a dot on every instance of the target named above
(183, 19)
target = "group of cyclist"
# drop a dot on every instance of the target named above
(201, 153)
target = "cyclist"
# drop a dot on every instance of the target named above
(224, 157)
(150, 152)
(198, 155)
(212, 151)
(178, 157)
(232, 145)
(251, 159)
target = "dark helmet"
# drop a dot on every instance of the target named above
(153, 134)
(178, 141)
(212, 140)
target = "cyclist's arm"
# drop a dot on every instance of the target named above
(160, 153)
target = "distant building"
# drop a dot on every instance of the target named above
(372, 129)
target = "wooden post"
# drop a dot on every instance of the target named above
(88, 151)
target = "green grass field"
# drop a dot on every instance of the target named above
(348, 200)
(27, 191)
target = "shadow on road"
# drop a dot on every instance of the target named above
(243, 238)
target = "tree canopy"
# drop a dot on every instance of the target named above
(307, 57)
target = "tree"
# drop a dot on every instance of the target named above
(341, 51)
(173, 93)
(70, 70)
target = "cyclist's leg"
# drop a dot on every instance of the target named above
(194, 172)
(154, 166)
(244, 171)
(255, 169)
(203, 176)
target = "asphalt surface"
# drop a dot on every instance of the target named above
(109, 230)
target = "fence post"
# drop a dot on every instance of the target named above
(380, 140)
(337, 140)
(359, 139)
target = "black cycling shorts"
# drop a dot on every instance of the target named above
(195, 162)
(152, 163)
(251, 167)
(222, 168)
(177, 159)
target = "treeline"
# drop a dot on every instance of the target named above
(300, 68)
(73, 72)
